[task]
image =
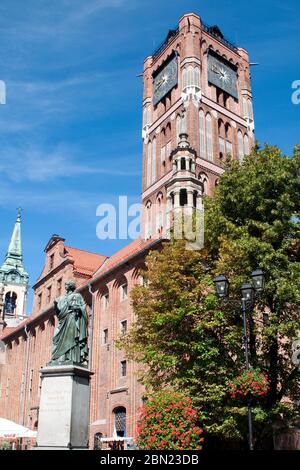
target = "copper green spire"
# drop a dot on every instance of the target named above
(13, 264)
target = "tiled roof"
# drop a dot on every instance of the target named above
(121, 255)
(10, 329)
(85, 262)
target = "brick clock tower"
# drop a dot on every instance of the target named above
(197, 104)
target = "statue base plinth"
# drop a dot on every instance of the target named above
(64, 408)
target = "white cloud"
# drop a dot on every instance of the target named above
(37, 164)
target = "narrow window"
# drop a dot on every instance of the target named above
(209, 144)
(59, 285)
(105, 301)
(123, 368)
(240, 146)
(124, 292)
(149, 164)
(39, 301)
(105, 336)
(49, 294)
(51, 263)
(123, 327)
(202, 134)
(246, 145)
(153, 175)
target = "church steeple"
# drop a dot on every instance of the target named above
(14, 257)
(14, 279)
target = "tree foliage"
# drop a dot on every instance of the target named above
(188, 339)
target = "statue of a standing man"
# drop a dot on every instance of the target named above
(69, 344)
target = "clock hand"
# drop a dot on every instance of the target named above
(158, 85)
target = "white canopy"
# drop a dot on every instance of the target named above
(11, 430)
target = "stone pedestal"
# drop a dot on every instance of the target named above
(64, 408)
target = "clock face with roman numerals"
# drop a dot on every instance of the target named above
(222, 74)
(165, 80)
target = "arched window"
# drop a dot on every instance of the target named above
(178, 127)
(148, 228)
(202, 133)
(250, 109)
(197, 78)
(228, 134)
(246, 145)
(120, 421)
(183, 197)
(184, 79)
(149, 163)
(153, 175)
(209, 141)
(240, 146)
(245, 107)
(10, 303)
(190, 75)
(159, 213)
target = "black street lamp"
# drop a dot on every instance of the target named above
(222, 286)
(258, 280)
(247, 300)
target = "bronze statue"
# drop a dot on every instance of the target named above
(69, 344)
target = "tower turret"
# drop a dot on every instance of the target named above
(14, 279)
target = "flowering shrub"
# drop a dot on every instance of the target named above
(169, 421)
(251, 383)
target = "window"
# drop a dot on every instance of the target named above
(202, 133)
(120, 421)
(240, 146)
(51, 262)
(106, 301)
(149, 164)
(48, 294)
(178, 128)
(59, 284)
(168, 149)
(163, 154)
(105, 336)
(148, 228)
(246, 145)
(39, 301)
(153, 173)
(183, 197)
(209, 142)
(123, 327)
(228, 148)
(10, 303)
(191, 77)
(124, 292)
(250, 110)
(221, 147)
(123, 368)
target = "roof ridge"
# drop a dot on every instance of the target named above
(86, 251)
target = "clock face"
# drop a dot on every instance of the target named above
(222, 74)
(165, 80)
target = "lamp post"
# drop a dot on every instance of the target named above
(247, 299)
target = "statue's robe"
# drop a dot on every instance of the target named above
(70, 337)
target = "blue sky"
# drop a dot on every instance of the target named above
(70, 133)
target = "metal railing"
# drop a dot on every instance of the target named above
(209, 30)
(171, 35)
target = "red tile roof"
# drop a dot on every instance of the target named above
(121, 255)
(85, 262)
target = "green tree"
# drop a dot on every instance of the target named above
(188, 339)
